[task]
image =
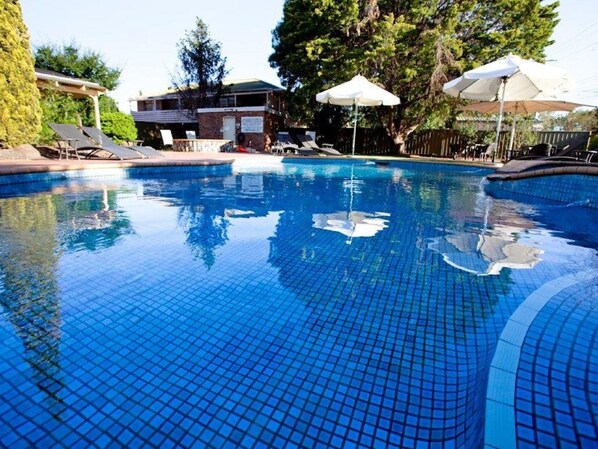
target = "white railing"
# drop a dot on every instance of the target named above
(174, 116)
(163, 117)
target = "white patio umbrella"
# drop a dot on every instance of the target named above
(522, 107)
(509, 78)
(357, 92)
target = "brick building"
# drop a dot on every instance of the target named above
(250, 114)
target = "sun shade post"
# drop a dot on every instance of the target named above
(354, 129)
(512, 139)
(500, 113)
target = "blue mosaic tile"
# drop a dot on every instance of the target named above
(214, 309)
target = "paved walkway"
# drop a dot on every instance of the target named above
(20, 166)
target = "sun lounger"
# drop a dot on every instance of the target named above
(540, 150)
(71, 138)
(284, 144)
(106, 142)
(308, 142)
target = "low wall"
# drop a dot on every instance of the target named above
(202, 145)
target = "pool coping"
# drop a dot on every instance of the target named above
(501, 427)
(516, 170)
(31, 166)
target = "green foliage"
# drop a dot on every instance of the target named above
(119, 126)
(524, 131)
(572, 121)
(58, 107)
(19, 96)
(107, 104)
(593, 142)
(202, 68)
(468, 131)
(71, 60)
(411, 47)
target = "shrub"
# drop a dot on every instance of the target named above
(119, 126)
(19, 96)
(58, 107)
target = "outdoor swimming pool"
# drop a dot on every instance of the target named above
(304, 305)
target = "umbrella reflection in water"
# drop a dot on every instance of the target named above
(352, 223)
(485, 254)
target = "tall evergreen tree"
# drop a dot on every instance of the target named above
(411, 47)
(19, 96)
(202, 69)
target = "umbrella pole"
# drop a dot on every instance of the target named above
(512, 140)
(498, 125)
(354, 129)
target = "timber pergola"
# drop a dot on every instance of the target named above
(78, 88)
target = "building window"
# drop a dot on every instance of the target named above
(252, 100)
(146, 105)
(226, 102)
(172, 104)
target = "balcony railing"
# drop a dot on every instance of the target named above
(173, 116)
(163, 117)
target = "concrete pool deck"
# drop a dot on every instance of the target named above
(171, 158)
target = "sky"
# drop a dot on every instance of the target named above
(140, 36)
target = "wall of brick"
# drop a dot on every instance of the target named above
(210, 127)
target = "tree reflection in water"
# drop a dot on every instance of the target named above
(29, 252)
(33, 232)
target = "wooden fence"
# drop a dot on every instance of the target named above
(436, 142)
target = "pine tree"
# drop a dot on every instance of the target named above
(199, 80)
(19, 97)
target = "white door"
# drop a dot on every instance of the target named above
(228, 128)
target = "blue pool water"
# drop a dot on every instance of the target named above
(306, 305)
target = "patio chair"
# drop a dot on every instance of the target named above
(540, 150)
(307, 142)
(487, 151)
(106, 142)
(284, 144)
(456, 150)
(73, 140)
(575, 156)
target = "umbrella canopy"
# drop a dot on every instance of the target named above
(509, 78)
(522, 107)
(358, 92)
